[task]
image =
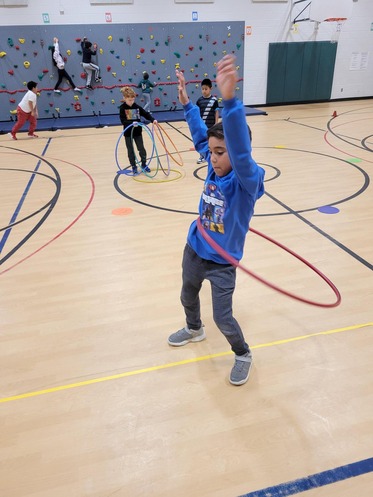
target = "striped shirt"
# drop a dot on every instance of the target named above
(207, 109)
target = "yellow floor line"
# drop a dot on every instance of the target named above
(174, 364)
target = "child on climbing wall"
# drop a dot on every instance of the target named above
(130, 114)
(87, 63)
(146, 88)
(58, 61)
(27, 111)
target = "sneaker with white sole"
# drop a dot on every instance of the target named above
(241, 369)
(78, 89)
(186, 335)
(57, 91)
(201, 160)
(12, 136)
(32, 135)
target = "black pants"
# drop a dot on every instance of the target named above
(140, 147)
(63, 74)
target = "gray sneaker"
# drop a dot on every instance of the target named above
(241, 369)
(185, 335)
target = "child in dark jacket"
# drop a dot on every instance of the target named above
(131, 113)
(87, 63)
(208, 108)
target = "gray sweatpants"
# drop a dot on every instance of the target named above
(90, 69)
(222, 279)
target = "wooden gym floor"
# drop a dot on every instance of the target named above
(93, 401)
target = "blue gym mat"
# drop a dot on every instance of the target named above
(99, 121)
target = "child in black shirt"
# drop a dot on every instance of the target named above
(131, 113)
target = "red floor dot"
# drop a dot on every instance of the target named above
(122, 211)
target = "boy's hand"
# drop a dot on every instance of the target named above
(227, 76)
(183, 95)
(55, 40)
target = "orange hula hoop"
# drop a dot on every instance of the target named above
(158, 133)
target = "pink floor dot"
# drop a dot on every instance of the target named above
(122, 211)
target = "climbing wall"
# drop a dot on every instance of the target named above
(124, 52)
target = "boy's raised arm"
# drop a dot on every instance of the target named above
(227, 76)
(182, 92)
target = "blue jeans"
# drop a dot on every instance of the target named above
(222, 278)
(147, 100)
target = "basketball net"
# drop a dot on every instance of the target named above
(339, 23)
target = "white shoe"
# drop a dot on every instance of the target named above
(78, 89)
(57, 91)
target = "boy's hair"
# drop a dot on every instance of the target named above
(206, 82)
(145, 75)
(217, 131)
(87, 44)
(128, 92)
(31, 85)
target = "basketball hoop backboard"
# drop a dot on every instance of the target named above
(326, 9)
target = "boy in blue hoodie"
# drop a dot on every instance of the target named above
(233, 184)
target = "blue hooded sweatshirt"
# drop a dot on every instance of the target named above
(227, 203)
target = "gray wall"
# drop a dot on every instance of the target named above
(127, 50)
